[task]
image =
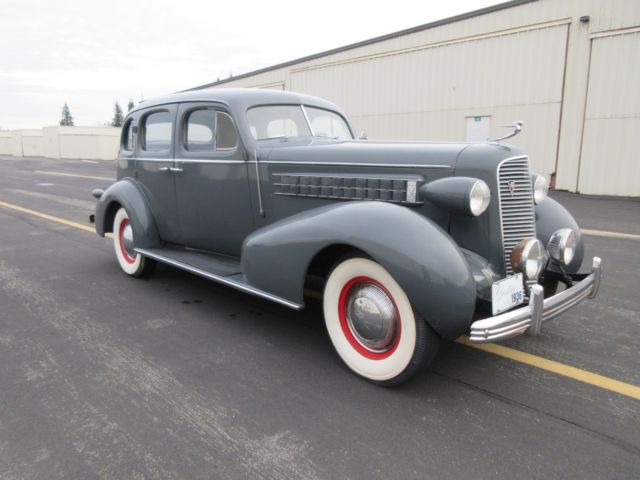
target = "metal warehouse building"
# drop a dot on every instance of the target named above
(569, 68)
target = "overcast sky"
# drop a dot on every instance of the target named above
(91, 53)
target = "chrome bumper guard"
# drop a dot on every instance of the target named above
(530, 318)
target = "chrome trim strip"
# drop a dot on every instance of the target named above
(293, 162)
(532, 316)
(196, 160)
(187, 160)
(260, 206)
(220, 279)
(352, 164)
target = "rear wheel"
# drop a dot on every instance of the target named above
(372, 325)
(131, 262)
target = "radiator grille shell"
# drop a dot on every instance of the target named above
(517, 215)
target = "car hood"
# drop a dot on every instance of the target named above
(382, 153)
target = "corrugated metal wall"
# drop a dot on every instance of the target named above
(508, 79)
(573, 82)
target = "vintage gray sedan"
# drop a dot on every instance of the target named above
(269, 191)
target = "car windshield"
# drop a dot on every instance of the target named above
(286, 121)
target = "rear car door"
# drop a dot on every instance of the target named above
(212, 186)
(156, 169)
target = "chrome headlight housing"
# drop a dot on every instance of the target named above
(540, 186)
(528, 257)
(562, 246)
(479, 198)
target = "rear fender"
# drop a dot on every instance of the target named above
(421, 257)
(127, 193)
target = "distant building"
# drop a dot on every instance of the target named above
(569, 68)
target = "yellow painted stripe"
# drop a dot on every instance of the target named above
(556, 367)
(77, 175)
(46, 216)
(605, 233)
(511, 353)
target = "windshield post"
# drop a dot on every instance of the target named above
(306, 117)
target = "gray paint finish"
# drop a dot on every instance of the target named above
(419, 255)
(232, 203)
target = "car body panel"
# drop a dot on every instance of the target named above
(423, 259)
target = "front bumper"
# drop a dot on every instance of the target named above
(530, 318)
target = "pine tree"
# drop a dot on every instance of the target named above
(130, 105)
(67, 118)
(117, 115)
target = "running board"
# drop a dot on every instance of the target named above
(219, 269)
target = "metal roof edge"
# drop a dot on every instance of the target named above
(382, 38)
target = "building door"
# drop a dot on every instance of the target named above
(609, 162)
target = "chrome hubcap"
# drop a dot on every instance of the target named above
(371, 316)
(127, 239)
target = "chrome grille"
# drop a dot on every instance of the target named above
(517, 216)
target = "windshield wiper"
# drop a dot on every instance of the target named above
(281, 137)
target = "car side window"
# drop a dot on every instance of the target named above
(226, 136)
(209, 130)
(127, 136)
(199, 130)
(157, 132)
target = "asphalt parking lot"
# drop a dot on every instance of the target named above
(104, 376)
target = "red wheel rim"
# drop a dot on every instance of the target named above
(127, 258)
(346, 329)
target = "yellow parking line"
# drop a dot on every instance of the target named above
(556, 367)
(511, 353)
(608, 234)
(61, 174)
(69, 223)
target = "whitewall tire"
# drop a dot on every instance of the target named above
(132, 263)
(372, 325)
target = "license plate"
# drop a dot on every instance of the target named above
(507, 293)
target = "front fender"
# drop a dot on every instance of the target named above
(422, 257)
(127, 194)
(551, 216)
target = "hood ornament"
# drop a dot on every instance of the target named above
(517, 128)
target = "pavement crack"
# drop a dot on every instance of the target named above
(626, 446)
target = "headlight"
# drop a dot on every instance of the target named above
(479, 198)
(540, 186)
(458, 195)
(528, 257)
(562, 246)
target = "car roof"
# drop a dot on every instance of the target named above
(239, 98)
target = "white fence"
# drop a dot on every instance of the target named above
(91, 143)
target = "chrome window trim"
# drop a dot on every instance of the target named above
(306, 117)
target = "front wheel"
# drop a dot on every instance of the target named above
(132, 263)
(372, 325)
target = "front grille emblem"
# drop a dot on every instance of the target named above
(512, 187)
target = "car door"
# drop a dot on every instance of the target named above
(212, 187)
(155, 168)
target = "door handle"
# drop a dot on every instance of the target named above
(163, 169)
(175, 169)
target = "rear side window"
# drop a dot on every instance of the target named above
(157, 132)
(208, 130)
(199, 131)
